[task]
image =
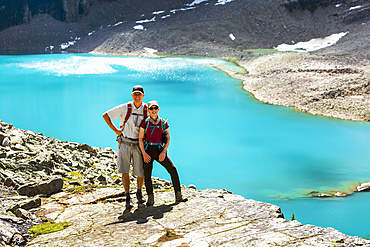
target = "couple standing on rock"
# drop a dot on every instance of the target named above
(141, 140)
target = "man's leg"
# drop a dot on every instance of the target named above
(140, 182)
(126, 185)
(126, 182)
(138, 171)
(123, 159)
(139, 194)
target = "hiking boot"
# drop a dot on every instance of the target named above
(150, 201)
(128, 201)
(140, 198)
(179, 197)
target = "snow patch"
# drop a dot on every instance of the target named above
(69, 43)
(313, 44)
(182, 9)
(223, 2)
(356, 7)
(49, 48)
(158, 12)
(118, 23)
(196, 2)
(139, 27)
(150, 50)
(146, 20)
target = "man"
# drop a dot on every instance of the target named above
(131, 114)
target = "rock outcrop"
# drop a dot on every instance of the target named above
(92, 204)
(332, 87)
(209, 218)
(45, 188)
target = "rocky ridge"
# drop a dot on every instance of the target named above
(46, 179)
(327, 86)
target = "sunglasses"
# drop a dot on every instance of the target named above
(153, 108)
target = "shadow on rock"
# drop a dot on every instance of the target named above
(141, 215)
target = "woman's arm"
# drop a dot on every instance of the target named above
(163, 154)
(141, 145)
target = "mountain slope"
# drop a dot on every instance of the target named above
(202, 28)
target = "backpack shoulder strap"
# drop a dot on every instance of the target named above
(145, 111)
(146, 123)
(128, 113)
(163, 122)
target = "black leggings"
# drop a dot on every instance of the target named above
(154, 152)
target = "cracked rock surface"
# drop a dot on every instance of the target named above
(209, 218)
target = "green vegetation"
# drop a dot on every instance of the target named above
(293, 217)
(65, 185)
(170, 233)
(48, 227)
(262, 51)
(74, 174)
(85, 188)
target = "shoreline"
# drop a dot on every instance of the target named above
(330, 86)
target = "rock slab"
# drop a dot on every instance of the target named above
(209, 218)
(44, 188)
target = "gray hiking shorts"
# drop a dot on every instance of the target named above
(129, 153)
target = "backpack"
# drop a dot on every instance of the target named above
(163, 126)
(129, 113)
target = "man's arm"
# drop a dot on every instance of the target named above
(111, 124)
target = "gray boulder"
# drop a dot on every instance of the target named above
(44, 188)
(4, 140)
(22, 213)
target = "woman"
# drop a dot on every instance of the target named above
(153, 148)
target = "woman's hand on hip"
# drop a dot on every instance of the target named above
(146, 157)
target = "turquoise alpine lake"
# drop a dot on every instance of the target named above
(221, 137)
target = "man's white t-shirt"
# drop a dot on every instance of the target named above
(131, 128)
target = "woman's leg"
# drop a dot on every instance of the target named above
(171, 169)
(148, 167)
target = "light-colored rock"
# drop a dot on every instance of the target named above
(7, 231)
(192, 186)
(363, 187)
(209, 218)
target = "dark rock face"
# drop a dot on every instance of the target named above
(356, 15)
(73, 8)
(18, 12)
(21, 11)
(310, 5)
